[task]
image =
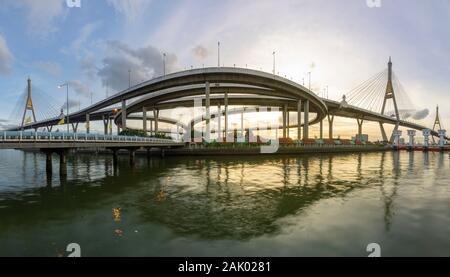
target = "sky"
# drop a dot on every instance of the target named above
(342, 43)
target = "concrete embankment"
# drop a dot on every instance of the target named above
(222, 151)
(200, 150)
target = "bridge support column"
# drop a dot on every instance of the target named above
(144, 119)
(105, 124)
(397, 134)
(88, 127)
(321, 129)
(62, 162)
(299, 120)
(411, 134)
(124, 114)
(115, 157)
(226, 116)
(330, 125)
(219, 123)
(48, 164)
(110, 125)
(306, 120)
(397, 125)
(49, 128)
(132, 156)
(75, 127)
(426, 138)
(383, 133)
(284, 114)
(156, 118)
(360, 126)
(287, 124)
(151, 127)
(242, 137)
(208, 112)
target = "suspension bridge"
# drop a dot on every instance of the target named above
(381, 99)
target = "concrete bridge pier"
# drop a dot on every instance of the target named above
(124, 114)
(330, 125)
(110, 125)
(411, 134)
(383, 133)
(156, 119)
(208, 112)
(219, 123)
(360, 126)
(62, 161)
(321, 129)
(306, 120)
(105, 124)
(48, 164)
(88, 127)
(226, 139)
(284, 115)
(132, 152)
(74, 127)
(115, 157)
(426, 138)
(397, 134)
(144, 119)
(299, 119)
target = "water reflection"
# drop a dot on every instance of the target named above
(232, 198)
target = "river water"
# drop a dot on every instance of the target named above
(309, 205)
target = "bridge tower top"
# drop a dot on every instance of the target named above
(437, 120)
(390, 93)
(28, 105)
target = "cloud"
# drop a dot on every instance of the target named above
(51, 68)
(131, 9)
(144, 63)
(6, 58)
(73, 104)
(6, 124)
(80, 88)
(85, 32)
(200, 52)
(88, 66)
(40, 15)
(421, 114)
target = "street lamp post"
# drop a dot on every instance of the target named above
(273, 62)
(164, 64)
(129, 78)
(67, 102)
(309, 74)
(218, 54)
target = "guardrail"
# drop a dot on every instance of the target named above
(24, 136)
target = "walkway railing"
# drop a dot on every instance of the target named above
(24, 136)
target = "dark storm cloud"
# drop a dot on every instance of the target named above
(73, 105)
(421, 114)
(80, 88)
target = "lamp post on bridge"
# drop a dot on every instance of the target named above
(273, 62)
(67, 102)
